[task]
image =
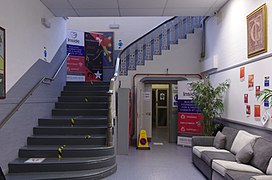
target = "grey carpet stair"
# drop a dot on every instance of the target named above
(48, 130)
(61, 164)
(92, 174)
(90, 121)
(72, 141)
(67, 140)
(67, 151)
(82, 105)
(79, 112)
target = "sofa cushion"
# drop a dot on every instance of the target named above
(261, 177)
(197, 150)
(221, 166)
(262, 154)
(219, 140)
(239, 175)
(242, 138)
(245, 154)
(209, 156)
(230, 136)
(269, 167)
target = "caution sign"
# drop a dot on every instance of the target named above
(143, 143)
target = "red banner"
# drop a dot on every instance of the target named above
(75, 64)
(190, 123)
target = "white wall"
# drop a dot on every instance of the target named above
(26, 36)
(227, 40)
(130, 29)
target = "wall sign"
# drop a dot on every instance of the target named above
(2, 63)
(257, 32)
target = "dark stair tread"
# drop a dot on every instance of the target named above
(67, 147)
(66, 136)
(84, 174)
(93, 102)
(66, 160)
(76, 118)
(68, 127)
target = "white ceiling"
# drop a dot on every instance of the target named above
(113, 8)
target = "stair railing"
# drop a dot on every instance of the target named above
(156, 40)
(44, 80)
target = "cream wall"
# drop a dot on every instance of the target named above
(130, 29)
(227, 40)
(26, 36)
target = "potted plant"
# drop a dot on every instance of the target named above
(265, 95)
(210, 101)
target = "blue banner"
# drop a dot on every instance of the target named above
(187, 106)
(75, 50)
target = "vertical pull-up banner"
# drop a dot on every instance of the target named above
(189, 115)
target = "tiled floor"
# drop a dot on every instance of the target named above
(163, 162)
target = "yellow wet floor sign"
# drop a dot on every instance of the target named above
(143, 143)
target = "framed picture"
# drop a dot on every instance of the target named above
(2, 63)
(257, 32)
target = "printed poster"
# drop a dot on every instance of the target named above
(245, 98)
(251, 81)
(257, 91)
(242, 73)
(108, 48)
(248, 112)
(257, 111)
(266, 81)
(190, 119)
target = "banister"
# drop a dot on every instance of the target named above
(23, 100)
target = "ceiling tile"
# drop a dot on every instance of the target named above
(97, 12)
(64, 12)
(184, 11)
(56, 3)
(101, 4)
(151, 4)
(190, 3)
(141, 12)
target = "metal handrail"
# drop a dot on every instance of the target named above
(23, 100)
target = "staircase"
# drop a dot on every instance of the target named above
(153, 43)
(73, 143)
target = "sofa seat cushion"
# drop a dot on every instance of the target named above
(209, 156)
(197, 150)
(261, 177)
(221, 166)
(239, 175)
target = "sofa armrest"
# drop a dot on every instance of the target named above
(261, 177)
(202, 140)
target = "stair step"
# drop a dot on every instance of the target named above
(87, 139)
(91, 121)
(61, 164)
(84, 93)
(82, 175)
(79, 112)
(67, 151)
(106, 83)
(50, 130)
(83, 99)
(84, 88)
(81, 105)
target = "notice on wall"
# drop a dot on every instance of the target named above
(174, 95)
(257, 111)
(242, 74)
(250, 82)
(189, 115)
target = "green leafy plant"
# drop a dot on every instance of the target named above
(265, 95)
(210, 101)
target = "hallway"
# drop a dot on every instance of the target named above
(162, 162)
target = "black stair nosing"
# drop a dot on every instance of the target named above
(68, 130)
(61, 164)
(92, 174)
(67, 136)
(67, 127)
(51, 147)
(76, 118)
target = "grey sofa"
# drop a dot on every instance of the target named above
(243, 156)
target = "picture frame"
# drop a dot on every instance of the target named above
(257, 31)
(2, 63)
